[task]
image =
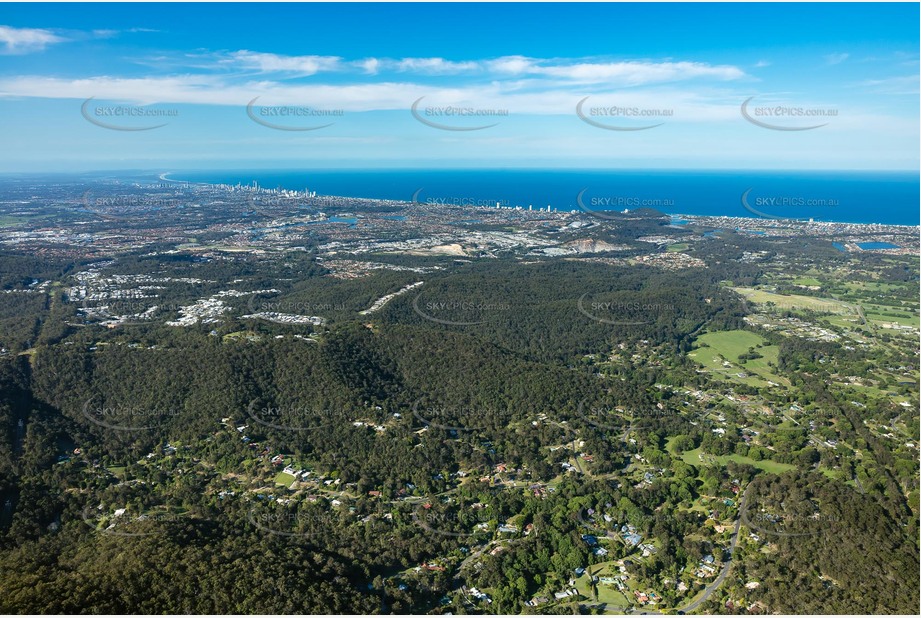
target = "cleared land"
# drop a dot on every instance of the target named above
(697, 457)
(719, 353)
(796, 301)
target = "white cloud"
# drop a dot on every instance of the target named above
(573, 70)
(434, 65)
(311, 65)
(211, 90)
(369, 65)
(836, 58)
(907, 84)
(555, 98)
(274, 63)
(512, 65)
(25, 40)
(637, 73)
(624, 73)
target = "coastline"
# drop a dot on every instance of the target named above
(751, 221)
(791, 223)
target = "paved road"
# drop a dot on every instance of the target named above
(709, 590)
(714, 586)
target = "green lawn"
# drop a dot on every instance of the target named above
(796, 301)
(900, 315)
(9, 221)
(606, 593)
(876, 286)
(730, 343)
(697, 458)
(678, 246)
(806, 281)
(713, 348)
(284, 478)
(849, 322)
(832, 474)
(769, 354)
(14, 220)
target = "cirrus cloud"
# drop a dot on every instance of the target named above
(26, 40)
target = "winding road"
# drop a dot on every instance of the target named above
(709, 590)
(724, 572)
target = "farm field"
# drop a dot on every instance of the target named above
(715, 349)
(905, 316)
(806, 281)
(796, 301)
(697, 457)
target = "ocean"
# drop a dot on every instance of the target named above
(850, 197)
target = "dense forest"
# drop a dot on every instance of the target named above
(416, 419)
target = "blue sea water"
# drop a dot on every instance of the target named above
(852, 197)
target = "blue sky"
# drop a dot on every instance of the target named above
(494, 85)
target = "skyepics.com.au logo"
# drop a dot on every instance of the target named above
(125, 117)
(621, 311)
(457, 417)
(750, 306)
(590, 524)
(271, 205)
(620, 117)
(111, 309)
(623, 421)
(124, 417)
(294, 417)
(572, 449)
(770, 206)
(292, 203)
(258, 304)
(125, 208)
(291, 117)
(454, 117)
(610, 522)
(458, 200)
(785, 117)
(788, 520)
(121, 523)
(613, 207)
(272, 518)
(453, 311)
(474, 521)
